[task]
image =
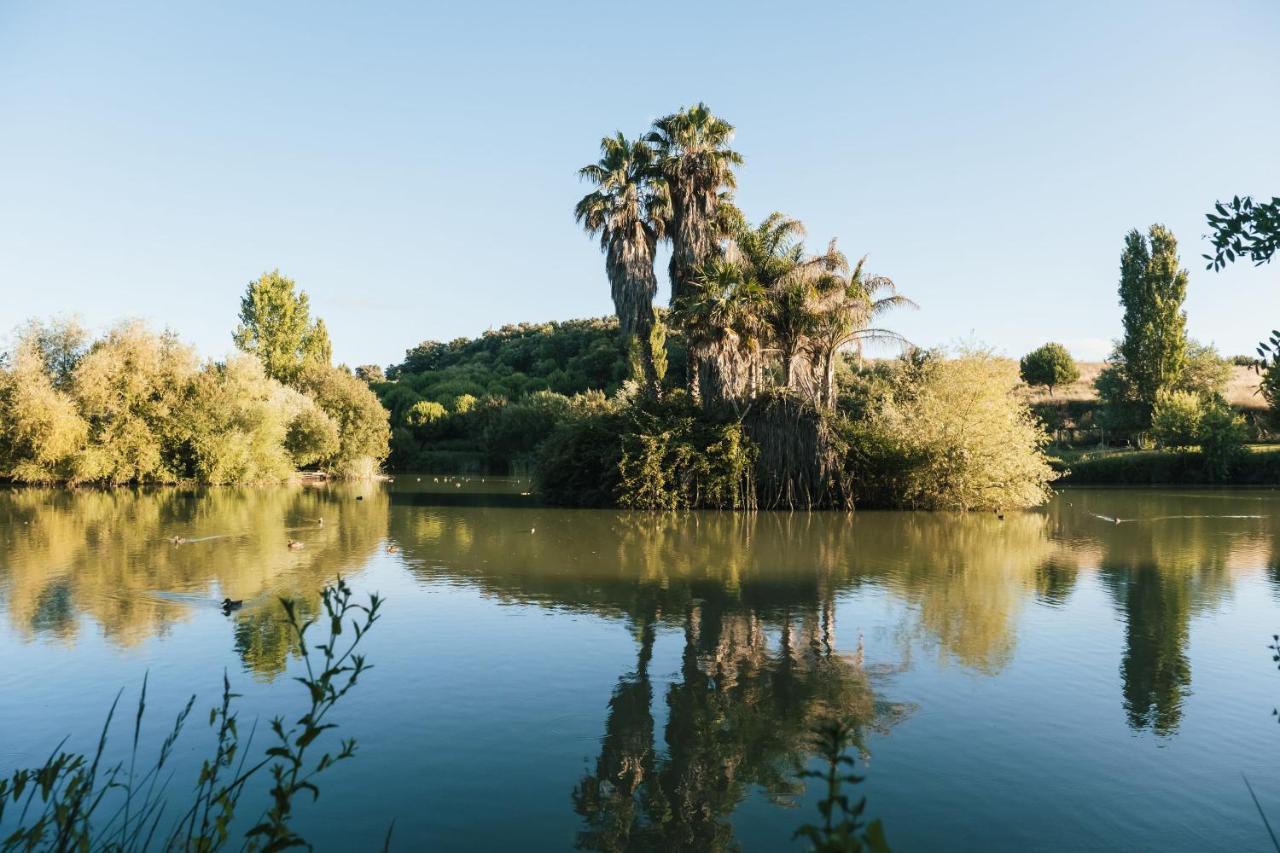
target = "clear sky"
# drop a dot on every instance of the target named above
(412, 165)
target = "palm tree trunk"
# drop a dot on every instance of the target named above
(829, 380)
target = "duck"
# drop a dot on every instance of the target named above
(294, 545)
(177, 540)
(392, 549)
(319, 522)
(229, 604)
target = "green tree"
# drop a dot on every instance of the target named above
(41, 432)
(1050, 365)
(371, 373)
(695, 160)
(363, 428)
(275, 325)
(628, 211)
(1153, 353)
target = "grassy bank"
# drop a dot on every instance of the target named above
(1258, 466)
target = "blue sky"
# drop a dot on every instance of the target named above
(412, 165)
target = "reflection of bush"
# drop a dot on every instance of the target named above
(106, 554)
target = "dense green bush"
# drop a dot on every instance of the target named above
(1175, 420)
(676, 457)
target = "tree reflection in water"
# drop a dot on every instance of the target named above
(107, 555)
(750, 691)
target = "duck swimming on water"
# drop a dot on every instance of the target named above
(294, 545)
(231, 604)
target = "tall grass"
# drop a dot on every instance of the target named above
(75, 802)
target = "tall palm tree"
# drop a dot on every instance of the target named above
(844, 315)
(719, 315)
(629, 211)
(696, 162)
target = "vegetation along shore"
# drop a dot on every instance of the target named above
(749, 390)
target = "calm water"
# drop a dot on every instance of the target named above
(548, 678)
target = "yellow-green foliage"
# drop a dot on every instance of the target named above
(677, 460)
(363, 427)
(957, 437)
(1175, 419)
(138, 407)
(131, 387)
(236, 429)
(41, 433)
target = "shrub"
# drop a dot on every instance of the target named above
(677, 458)
(1175, 420)
(951, 434)
(424, 413)
(1050, 365)
(1222, 437)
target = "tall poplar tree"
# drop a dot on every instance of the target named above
(1152, 289)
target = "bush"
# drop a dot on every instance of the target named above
(1222, 437)
(1050, 365)
(951, 434)
(677, 458)
(1175, 420)
(425, 413)
(1163, 468)
(579, 463)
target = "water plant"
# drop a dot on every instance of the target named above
(75, 801)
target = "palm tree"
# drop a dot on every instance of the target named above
(772, 255)
(719, 315)
(696, 162)
(843, 316)
(629, 211)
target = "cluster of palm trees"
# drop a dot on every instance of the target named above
(755, 308)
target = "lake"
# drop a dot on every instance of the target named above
(1092, 675)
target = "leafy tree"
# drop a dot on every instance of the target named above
(371, 373)
(363, 429)
(131, 388)
(951, 434)
(1152, 356)
(275, 325)
(1244, 228)
(629, 213)
(1050, 365)
(41, 432)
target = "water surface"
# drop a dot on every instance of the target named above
(1094, 675)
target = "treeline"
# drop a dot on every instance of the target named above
(1160, 388)
(137, 406)
(485, 404)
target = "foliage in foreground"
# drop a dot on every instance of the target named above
(75, 802)
(843, 829)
